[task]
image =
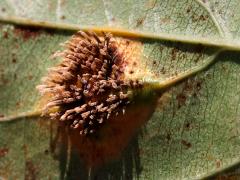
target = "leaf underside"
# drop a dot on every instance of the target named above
(193, 131)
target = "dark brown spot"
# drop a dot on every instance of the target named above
(168, 137)
(198, 85)
(186, 144)
(203, 18)
(174, 53)
(194, 18)
(187, 126)
(1, 116)
(63, 17)
(3, 9)
(163, 71)
(30, 77)
(46, 152)
(140, 21)
(14, 60)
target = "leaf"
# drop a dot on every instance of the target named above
(194, 130)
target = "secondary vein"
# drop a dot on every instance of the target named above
(29, 114)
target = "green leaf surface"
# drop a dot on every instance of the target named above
(193, 131)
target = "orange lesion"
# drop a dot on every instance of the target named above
(110, 141)
(134, 61)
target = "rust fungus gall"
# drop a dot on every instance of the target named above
(89, 85)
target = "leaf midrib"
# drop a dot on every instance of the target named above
(222, 43)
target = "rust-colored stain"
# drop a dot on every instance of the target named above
(27, 33)
(5, 35)
(166, 20)
(181, 99)
(31, 171)
(5, 171)
(16, 46)
(18, 104)
(3, 152)
(150, 4)
(218, 163)
(30, 77)
(113, 19)
(190, 88)
(228, 177)
(3, 79)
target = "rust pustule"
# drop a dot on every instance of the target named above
(89, 85)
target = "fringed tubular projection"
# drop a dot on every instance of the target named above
(88, 85)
